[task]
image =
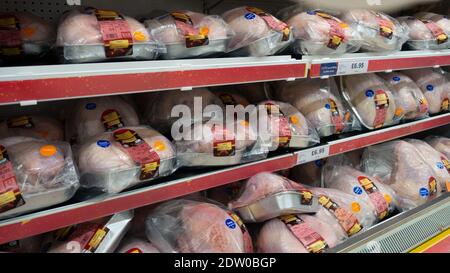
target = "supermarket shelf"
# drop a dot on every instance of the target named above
(403, 232)
(357, 63)
(31, 84)
(40, 222)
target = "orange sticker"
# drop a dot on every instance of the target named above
(28, 32)
(159, 145)
(48, 150)
(356, 207)
(294, 120)
(139, 36)
(388, 198)
(447, 184)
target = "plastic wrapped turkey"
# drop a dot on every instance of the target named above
(161, 114)
(232, 98)
(410, 98)
(435, 159)
(379, 32)
(298, 234)
(434, 86)
(93, 116)
(265, 196)
(257, 33)
(32, 126)
(92, 35)
(441, 27)
(24, 34)
(254, 92)
(344, 211)
(281, 125)
(308, 173)
(35, 174)
(113, 161)
(132, 244)
(440, 144)
(372, 100)
(425, 33)
(319, 101)
(317, 32)
(400, 165)
(186, 226)
(188, 34)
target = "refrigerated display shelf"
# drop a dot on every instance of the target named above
(28, 85)
(40, 222)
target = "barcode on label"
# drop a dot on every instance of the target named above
(312, 154)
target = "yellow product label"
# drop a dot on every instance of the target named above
(336, 40)
(96, 239)
(355, 229)
(445, 105)
(317, 246)
(116, 44)
(283, 139)
(150, 167)
(344, 25)
(7, 197)
(356, 207)
(107, 13)
(8, 21)
(224, 146)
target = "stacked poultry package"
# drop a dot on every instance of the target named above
(440, 144)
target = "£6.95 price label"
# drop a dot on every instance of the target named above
(313, 154)
(352, 67)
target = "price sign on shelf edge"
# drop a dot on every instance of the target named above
(313, 154)
(352, 67)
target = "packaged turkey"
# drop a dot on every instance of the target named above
(254, 92)
(426, 33)
(93, 116)
(410, 99)
(379, 32)
(23, 34)
(186, 226)
(92, 35)
(317, 32)
(318, 100)
(35, 174)
(266, 196)
(257, 33)
(99, 236)
(188, 34)
(435, 87)
(440, 144)
(41, 127)
(132, 244)
(281, 125)
(371, 100)
(299, 233)
(400, 165)
(114, 161)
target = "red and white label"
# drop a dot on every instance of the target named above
(346, 219)
(134, 250)
(111, 120)
(446, 163)
(423, 106)
(381, 100)
(309, 238)
(272, 22)
(224, 141)
(337, 33)
(116, 33)
(377, 199)
(436, 30)
(140, 151)
(10, 36)
(386, 25)
(248, 244)
(336, 118)
(89, 236)
(10, 195)
(194, 37)
(445, 105)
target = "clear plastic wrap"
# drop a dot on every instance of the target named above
(400, 165)
(379, 32)
(254, 92)
(35, 174)
(372, 101)
(188, 34)
(435, 159)
(308, 173)
(283, 126)
(158, 111)
(298, 234)
(213, 143)
(317, 32)
(257, 33)
(380, 197)
(435, 87)
(231, 98)
(187, 226)
(24, 34)
(114, 161)
(225, 194)
(131, 244)
(410, 98)
(93, 116)
(32, 126)
(92, 35)
(440, 144)
(344, 211)
(426, 33)
(319, 101)
(265, 196)
(99, 236)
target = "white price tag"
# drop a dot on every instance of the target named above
(313, 154)
(352, 67)
(73, 2)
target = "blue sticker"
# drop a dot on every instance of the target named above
(396, 79)
(103, 143)
(250, 16)
(440, 165)
(327, 106)
(91, 106)
(430, 87)
(328, 69)
(370, 93)
(357, 190)
(230, 223)
(318, 163)
(424, 192)
(311, 12)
